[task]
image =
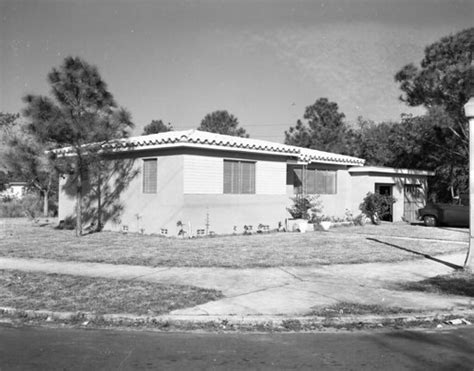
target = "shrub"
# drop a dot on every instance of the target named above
(376, 206)
(359, 220)
(68, 223)
(30, 205)
(305, 207)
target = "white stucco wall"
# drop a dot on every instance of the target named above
(362, 183)
(203, 175)
(270, 178)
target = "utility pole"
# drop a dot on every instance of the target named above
(469, 112)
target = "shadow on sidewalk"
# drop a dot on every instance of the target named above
(451, 265)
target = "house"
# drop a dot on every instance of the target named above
(203, 182)
(14, 190)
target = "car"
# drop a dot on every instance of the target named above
(444, 214)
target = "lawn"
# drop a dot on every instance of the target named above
(410, 230)
(40, 291)
(457, 283)
(341, 245)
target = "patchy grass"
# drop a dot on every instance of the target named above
(400, 229)
(344, 245)
(40, 291)
(457, 283)
(348, 308)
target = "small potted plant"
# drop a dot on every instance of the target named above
(325, 223)
(304, 208)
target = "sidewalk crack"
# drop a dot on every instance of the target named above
(149, 274)
(291, 274)
(255, 291)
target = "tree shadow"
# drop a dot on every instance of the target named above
(461, 284)
(451, 265)
(428, 350)
(106, 180)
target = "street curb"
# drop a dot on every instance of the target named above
(281, 323)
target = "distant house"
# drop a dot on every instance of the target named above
(206, 182)
(14, 190)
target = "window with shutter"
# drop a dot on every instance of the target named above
(311, 185)
(150, 175)
(239, 176)
(320, 181)
(326, 182)
(331, 182)
(315, 181)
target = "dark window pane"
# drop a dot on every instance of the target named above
(298, 180)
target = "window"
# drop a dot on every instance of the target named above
(314, 181)
(239, 176)
(149, 175)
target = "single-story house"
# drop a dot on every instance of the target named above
(205, 182)
(15, 190)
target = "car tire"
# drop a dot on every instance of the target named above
(430, 221)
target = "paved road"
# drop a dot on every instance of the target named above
(30, 348)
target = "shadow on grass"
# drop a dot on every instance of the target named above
(451, 265)
(459, 283)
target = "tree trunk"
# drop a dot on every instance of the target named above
(79, 206)
(99, 204)
(45, 203)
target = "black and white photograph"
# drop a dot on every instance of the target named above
(236, 185)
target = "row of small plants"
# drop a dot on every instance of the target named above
(309, 207)
(306, 207)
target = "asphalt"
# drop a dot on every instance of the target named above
(282, 291)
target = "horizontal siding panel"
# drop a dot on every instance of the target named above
(270, 178)
(203, 175)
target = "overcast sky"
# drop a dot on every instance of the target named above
(263, 61)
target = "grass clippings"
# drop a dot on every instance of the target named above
(64, 293)
(457, 283)
(344, 245)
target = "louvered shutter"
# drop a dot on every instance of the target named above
(320, 182)
(239, 176)
(150, 175)
(310, 181)
(330, 182)
(247, 177)
(229, 176)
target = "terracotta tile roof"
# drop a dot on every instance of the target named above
(201, 139)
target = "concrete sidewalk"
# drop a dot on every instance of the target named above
(287, 291)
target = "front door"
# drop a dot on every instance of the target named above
(414, 199)
(386, 190)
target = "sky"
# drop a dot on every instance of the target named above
(264, 61)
